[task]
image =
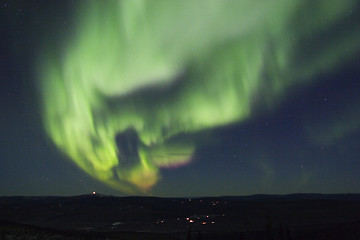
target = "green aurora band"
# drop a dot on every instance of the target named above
(151, 70)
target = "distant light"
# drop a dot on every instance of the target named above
(203, 223)
(191, 221)
(188, 219)
(94, 193)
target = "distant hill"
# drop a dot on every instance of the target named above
(220, 216)
(299, 196)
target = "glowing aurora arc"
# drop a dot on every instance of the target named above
(138, 73)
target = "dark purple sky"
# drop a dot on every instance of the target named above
(274, 152)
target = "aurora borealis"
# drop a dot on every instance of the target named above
(137, 89)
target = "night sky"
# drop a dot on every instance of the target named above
(175, 99)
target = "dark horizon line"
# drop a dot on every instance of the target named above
(257, 195)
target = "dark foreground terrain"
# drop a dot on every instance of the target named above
(295, 217)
